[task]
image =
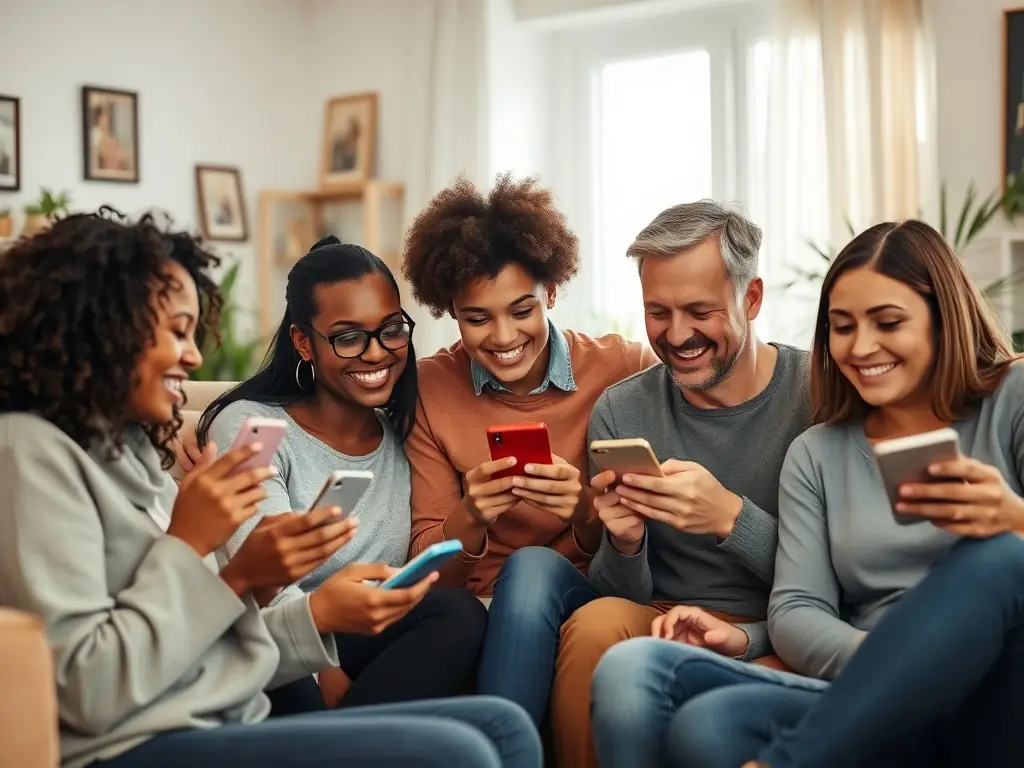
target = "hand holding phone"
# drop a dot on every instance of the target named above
(215, 498)
(526, 443)
(268, 433)
(343, 489)
(283, 549)
(350, 603)
(906, 460)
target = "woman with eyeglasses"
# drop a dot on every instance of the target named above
(341, 371)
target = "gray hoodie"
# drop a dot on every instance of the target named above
(146, 637)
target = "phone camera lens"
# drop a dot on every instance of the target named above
(497, 438)
(255, 430)
(339, 484)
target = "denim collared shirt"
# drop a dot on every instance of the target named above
(559, 368)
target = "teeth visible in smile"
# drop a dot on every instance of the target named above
(690, 354)
(876, 370)
(173, 384)
(372, 377)
(512, 354)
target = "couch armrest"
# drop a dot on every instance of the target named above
(28, 706)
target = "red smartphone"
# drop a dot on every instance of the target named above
(527, 442)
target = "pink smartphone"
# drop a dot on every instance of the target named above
(268, 432)
(527, 442)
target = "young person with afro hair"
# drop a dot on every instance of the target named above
(495, 263)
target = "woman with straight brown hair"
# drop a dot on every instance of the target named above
(917, 612)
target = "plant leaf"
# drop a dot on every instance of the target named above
(943, 218)
(965, 211)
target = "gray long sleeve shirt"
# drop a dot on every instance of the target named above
(146, 637)
(842, 559)
(743, 447)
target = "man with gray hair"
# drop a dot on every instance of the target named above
(689, 555)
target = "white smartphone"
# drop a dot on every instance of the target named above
(268, 432)
(906, 460)
(342, 489)
(626, 456)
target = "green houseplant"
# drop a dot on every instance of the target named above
(232, 358)
(40, 214)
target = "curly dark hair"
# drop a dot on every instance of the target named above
(76, 314)
(462, 235)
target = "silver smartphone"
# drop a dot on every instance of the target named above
(906, 460)
(342, 489)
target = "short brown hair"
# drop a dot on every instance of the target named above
(973, 351)
(461, 236)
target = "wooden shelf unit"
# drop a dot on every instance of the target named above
(371, 195)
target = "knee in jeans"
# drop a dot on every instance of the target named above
(530, 575)
(993, 560)
(621, 667)
(700, 731)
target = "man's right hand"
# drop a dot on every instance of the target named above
(345, 604)
(214, 499)
(625, 529)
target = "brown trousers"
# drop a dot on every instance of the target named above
(588, 633)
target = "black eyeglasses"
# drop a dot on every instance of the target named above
(392, 336)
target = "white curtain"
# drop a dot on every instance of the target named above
(446, 134)
(846, 122)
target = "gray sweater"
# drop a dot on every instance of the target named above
(303, 464)
(743, 447)
(146, 637)
(843, 563)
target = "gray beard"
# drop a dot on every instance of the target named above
(720, 370)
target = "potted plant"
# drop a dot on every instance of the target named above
(6, 224)
(40, 214)
(232, 359)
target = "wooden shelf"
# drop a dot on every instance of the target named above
(369, 194)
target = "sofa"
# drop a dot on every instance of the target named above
(28, 709)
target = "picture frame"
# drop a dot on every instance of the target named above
(221, 203)
(110, 135)
(10, 143)
(349, 142)
(1013, 103)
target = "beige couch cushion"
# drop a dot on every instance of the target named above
(198, 395)
(28, 708)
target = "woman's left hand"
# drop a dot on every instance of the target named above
(554, 488)
(970, 499)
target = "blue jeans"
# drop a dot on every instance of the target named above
(536, 591)
(472, 731)
(940, 678)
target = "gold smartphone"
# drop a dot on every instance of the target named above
(626, 456)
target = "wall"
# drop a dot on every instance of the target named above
(218, 82)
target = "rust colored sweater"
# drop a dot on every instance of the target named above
(450, 439)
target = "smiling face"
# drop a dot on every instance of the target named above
(692, 318)
(881, 337)
(504, 326)
(164, 365)
(345, 308)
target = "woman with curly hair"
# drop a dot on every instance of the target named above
(161, 655)
(341, 372)
(495, 263)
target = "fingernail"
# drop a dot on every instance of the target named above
(256, 447)
(335, 510)
(530, 468)
(273, 471)
(517, 482)
(627, 478)
(901, 507)
(511, 461)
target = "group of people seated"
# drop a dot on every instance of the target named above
(760, 601)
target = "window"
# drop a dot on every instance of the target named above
(652, 141)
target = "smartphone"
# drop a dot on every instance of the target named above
(527, 442)
(424, 564)
(268, 432)
(906, 460)
(626, 456)
(343, 488)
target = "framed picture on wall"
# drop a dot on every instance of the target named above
(221, 203)
(10, 143)
(1013, 115)
(349, 140)
(110, 135)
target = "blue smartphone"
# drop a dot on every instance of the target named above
(425, 563)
